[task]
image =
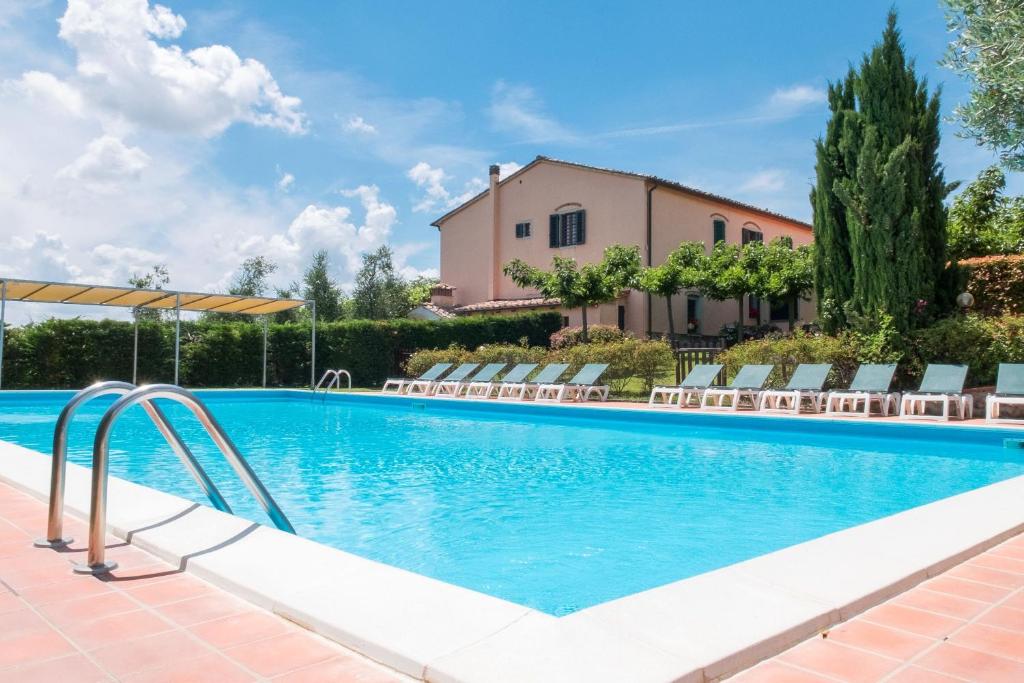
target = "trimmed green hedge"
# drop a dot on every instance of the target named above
(75, 353)
(997, 283)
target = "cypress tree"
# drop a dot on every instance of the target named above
(878, 208)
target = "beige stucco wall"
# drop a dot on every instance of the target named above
(616, 213)
(679, 217)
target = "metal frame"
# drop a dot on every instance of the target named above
(163, 294)
(96, 560)
(58, 465)
(335, 376)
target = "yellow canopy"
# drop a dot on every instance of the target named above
(130, 297)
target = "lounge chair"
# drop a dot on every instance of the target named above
(1009, 391)
(427, 387)
(581, 387)
(521, 391)
(806, 385)
(399, 384)
(699, 378)
(454, 387)
(872, 384)
(481, 389)
(942, 384)
(747, 384)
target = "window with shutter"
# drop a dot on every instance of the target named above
(567, 229)
(751, 236)
(554, 231)
(522, 230)
(718, 231)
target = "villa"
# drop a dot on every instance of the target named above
(559, 208)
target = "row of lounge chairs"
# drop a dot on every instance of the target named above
(513, 385)
(869, 393)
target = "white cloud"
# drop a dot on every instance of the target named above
(517, 109)
(437, 196)
(106, 163)
(767, 181)
(127, 76)
(45, 87)
(792, 99)
(356, 124)
(285, 182)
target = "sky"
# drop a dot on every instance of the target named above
(199, 133)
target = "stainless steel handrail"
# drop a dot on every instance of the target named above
(95, 563)
(58, 464)
(335, 376)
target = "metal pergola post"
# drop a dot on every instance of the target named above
(312, 364)
(135, 348)
(265, 318)
(3, 314)
(177, 334)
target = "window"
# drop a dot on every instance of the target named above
(522, 230)
(565, 321)
(719, 231)
(622, 317)
(780, 310)
(693, 314)
(754, 308)
(752, 236)
(567, 229)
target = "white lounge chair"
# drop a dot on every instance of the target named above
(399, 384)
(517, 375)
(1009, 392)
(871, 385)
(942, 384)
(747, 384)
(524, 391)
(455, 387)
(805, 386)
(427, 387)
(581, 387)
(688, 393)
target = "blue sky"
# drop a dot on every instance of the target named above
(132, 134)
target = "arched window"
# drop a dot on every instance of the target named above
(718, 222)
(751, 233)
(568, 226)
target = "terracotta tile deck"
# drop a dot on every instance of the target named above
(964, 625)
(145, 622)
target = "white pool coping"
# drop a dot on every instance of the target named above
(698, 629)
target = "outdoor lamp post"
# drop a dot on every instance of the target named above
(964, 300)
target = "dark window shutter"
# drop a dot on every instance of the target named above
(581, 227)
(719, 232)
(553, 231)
(519, 230)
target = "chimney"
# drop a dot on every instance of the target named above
(492, 290)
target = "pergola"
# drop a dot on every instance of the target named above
(38, 291)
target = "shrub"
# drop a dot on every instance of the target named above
(628, 358)
(997, 283)
(977, 341)
(598, 334)
(785, 353)
(510, 353)
(424, 359)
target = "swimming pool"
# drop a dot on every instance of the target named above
(553, 508)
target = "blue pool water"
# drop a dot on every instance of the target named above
(553, 508)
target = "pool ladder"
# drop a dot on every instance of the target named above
(333, 379)
(131, 395)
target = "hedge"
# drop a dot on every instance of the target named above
(997, 283)
(74, 353)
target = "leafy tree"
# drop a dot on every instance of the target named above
(680, 271)
(318, 286)
(380, 293)
(784, 274)
(583, 286)
(881, 168)
(988, 51)
(419, 290)
(158, 278)
(982, 221)
(251, 279)
(730, 273)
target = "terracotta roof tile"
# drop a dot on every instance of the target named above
(507, 304)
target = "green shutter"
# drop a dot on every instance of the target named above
(719, 232)
(553, 230)
(581, 233)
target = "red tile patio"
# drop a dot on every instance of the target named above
(145, 622)
(964, 625)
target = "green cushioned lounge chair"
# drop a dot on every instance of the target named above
(481, 389)
(427, 387)
(871, 385)
(400, 384)
(454, 388)
(747, 384)
(942, 384)
(1009, 391)
(523, 390)
(581, 387)
(806, 386)
(688, 393)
